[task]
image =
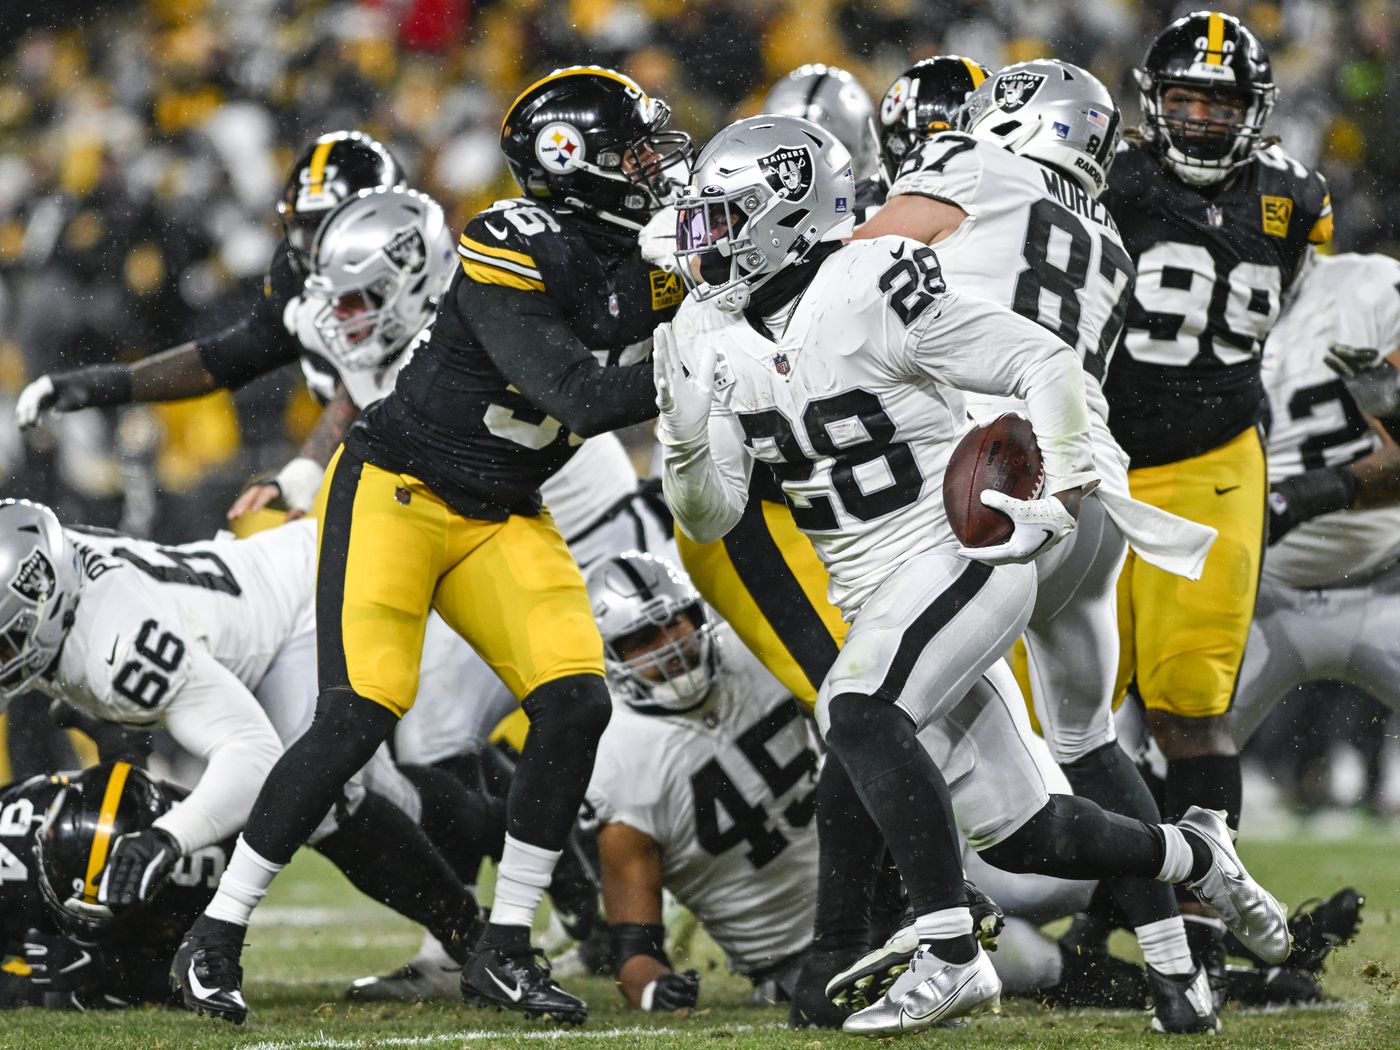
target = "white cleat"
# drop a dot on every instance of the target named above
(1251, 912)
(931, 992)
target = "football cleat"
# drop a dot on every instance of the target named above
(1316, 928)
(521, 983)
(811, 1006)
(415, 982)
(1091, 978)
(207, 977)
(931, 992)
(1206, 939)
(1272, 986)
(859, 985)
(1182, 1004)
(1249, 910)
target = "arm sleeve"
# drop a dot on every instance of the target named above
(976, 345)
(215, 718)
(527, 339)
(254, 346)
(706, 484)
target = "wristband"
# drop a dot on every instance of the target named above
(299, 481)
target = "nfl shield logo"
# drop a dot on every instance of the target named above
(780, 363)
(1214, 215)
(789, 171)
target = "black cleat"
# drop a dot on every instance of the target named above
(207, 977)
(987, 917)
(1096, 979)
(521, 983)
(810, 1006)
(1272, 986)
(1206, 938)
(1182, 1004)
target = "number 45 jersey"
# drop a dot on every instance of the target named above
(728, 793)
(1212, 266)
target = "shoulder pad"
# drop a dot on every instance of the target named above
(947, 166)
(1310, 203)
(506, 243)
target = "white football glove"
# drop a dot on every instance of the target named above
(299, 481)
(1039, 524)
(34, 401)
(683, 398)
(657, 240)
(1372, 381)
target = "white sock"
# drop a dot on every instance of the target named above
(1176, 859)
(1164, 946)
(521, 879)
(940, 925)
(243, 885)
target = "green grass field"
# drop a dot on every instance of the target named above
(315, 934)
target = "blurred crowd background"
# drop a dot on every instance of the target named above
(143, 144)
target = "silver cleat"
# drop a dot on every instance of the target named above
(1251, 912)
(416, 982)
(931, 992)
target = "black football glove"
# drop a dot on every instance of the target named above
(1306, 496)
(671, 992)
(138, 868)
(66, 975)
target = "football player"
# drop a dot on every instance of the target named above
(864, 350)
(1217, 222)
(1024, 175)
(334, 168)
(432, 503)
(65, 949)
(1329, 598)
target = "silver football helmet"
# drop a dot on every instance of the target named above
(831, 98)
(658, 642)
(1052, 112)
(42, 580)
(762, 193)
(379, 263)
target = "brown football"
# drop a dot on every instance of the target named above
(1000, 455)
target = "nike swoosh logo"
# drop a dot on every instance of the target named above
(512, 991)
(942, 1007)
(1228, 488)
(111, 659)
(898, 254)
(500, 234)
(204, 993)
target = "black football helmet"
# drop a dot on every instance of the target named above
(96, 808)
(1214, 53)
(335, 167)
(924, 100)
(591, 142)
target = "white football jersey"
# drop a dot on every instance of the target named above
(323, 370)
(240, 599)
(594, 480)
(858, 404)
(728, 793)
(1353, 300)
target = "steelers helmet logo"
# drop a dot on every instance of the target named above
(896, 98)
(559, 147)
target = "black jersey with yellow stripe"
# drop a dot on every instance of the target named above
(22, 809)
(540, 341)
(1212, 266)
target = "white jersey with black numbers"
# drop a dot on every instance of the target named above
(728, 793)
(857, 405)
(1353, 300)
(240, 599)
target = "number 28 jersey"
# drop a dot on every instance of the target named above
(1211, 270)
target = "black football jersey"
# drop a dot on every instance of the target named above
(539, 304)
(22, 809)
(1212, 266)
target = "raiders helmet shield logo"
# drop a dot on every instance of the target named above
(789, 171)
(406, 249)
(1014, 90)
(35, 579)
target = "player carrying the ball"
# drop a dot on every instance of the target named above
(842, 368)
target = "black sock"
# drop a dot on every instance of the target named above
(960, 949)
(219, 931)
(906, 795)
(848, 848)
(1208, 781)
(463, 823)
(508, 940)
(389, 859)
(310, 776)
(1107, 776)
(1201, 856)
(567, 716)
(1072, 838)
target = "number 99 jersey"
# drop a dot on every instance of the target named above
(1212, 265)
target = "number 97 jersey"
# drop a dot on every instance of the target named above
(1212, 265)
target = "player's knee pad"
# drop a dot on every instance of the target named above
(576, 708)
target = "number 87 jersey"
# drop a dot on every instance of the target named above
(1212, 265)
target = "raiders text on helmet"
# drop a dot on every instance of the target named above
(40, 584)
(592, 142)
(379, 264)
(1213, 56)
(1052, 112)
(924, 100)
(336, 166)
(832, 99)
(764, 191)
